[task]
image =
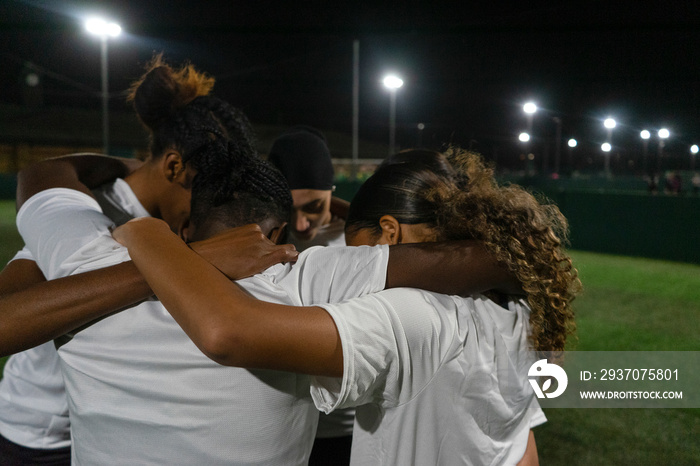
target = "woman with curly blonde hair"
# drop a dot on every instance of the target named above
(437, 379)
(456, 196)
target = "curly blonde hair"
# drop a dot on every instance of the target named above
(523, 233)
(457, 195)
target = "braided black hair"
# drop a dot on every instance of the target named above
(235, 189)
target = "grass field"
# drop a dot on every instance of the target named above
(629, 304)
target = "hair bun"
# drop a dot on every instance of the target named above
(162, 90)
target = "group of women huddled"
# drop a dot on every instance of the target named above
(156, 315)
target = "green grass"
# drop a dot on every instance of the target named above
(628, 304)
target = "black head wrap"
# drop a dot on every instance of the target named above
(301, 154)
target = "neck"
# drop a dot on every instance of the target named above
(145, 185)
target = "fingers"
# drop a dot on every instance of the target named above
(282, 254)
(287, 253)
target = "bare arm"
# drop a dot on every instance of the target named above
(451, 267)
(530, 458)
(34, 311)
(81, 172)
(233, 328)
(226, 323)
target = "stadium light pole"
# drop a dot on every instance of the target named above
(530, 108)
(645, 135)
(606, 147)
(663, 134)
(571, 144)
(694, 149)
(104, 30)
(393, 83)
(609, 124)
(557, 145)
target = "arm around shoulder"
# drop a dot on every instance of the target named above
(81, 172)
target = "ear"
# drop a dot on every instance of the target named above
(391, 230)
(186, 231)
(278, 234)
(173, 167)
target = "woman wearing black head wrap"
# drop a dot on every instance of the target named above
(302, 155)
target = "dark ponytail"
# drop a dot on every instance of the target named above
(400, 187)
(176, 107)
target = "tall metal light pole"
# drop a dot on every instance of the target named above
(606, 148)
(392, 82)
(645, 135)
(694, 149)
(529, 108)
(104, 30)
(571, 143)
(609, 124)
(557, 145)
(663, 135)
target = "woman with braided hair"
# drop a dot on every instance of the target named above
(437, 379)
(176, 107)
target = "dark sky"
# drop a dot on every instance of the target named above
(468, 66)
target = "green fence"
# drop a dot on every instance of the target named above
(660, 227)
(8, 186)
(630, 223)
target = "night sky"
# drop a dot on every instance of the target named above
(468, 66)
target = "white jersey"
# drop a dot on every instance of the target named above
(338, 423)
(33, 407)
(139, 390)
(438, 380)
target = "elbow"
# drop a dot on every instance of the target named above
(223, 346)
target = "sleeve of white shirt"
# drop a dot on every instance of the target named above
(537, 416)
(331, 275)
(66, 232)
(393, 344)
(22, 254)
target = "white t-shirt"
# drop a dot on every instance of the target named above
(33, 408)
(338, 423)
(140, 392)
(438, 380)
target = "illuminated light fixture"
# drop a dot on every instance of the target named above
(530, 108)
(392, 82)
(102, 28)
(609, 123)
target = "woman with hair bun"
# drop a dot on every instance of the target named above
(436, 379)
(181, 115)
